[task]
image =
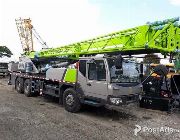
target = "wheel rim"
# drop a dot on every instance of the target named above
(26, 88)
(69, 100)
(18, 85)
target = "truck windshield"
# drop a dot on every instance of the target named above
(128, 74)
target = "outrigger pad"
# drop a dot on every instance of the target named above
(161, 70)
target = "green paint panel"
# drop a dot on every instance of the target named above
(71, 75)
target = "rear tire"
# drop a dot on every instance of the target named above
(19, 85)
(27, 88)
(71, 101)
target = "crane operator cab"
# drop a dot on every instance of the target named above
(110, 80)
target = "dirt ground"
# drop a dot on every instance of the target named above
(37, 118)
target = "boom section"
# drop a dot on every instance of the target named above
(159, 36)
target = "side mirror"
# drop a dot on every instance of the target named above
(118, 62)
(141, 75)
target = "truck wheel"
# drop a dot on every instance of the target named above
(27, 88)
(71, 101)
(19, 85)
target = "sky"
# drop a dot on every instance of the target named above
(61, 22)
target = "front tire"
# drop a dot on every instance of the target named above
(71, 101)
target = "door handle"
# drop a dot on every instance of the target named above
(88, 84)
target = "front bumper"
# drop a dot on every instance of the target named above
(123, 100)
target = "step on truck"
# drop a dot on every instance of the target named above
(95, 81)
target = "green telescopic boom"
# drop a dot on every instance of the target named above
(160, 36)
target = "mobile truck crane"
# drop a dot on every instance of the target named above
(97, 71)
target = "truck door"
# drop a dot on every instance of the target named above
(96, 79)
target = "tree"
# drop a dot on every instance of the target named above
(4, 51)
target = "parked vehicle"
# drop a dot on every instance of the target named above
(162, 89)
(3, 69)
